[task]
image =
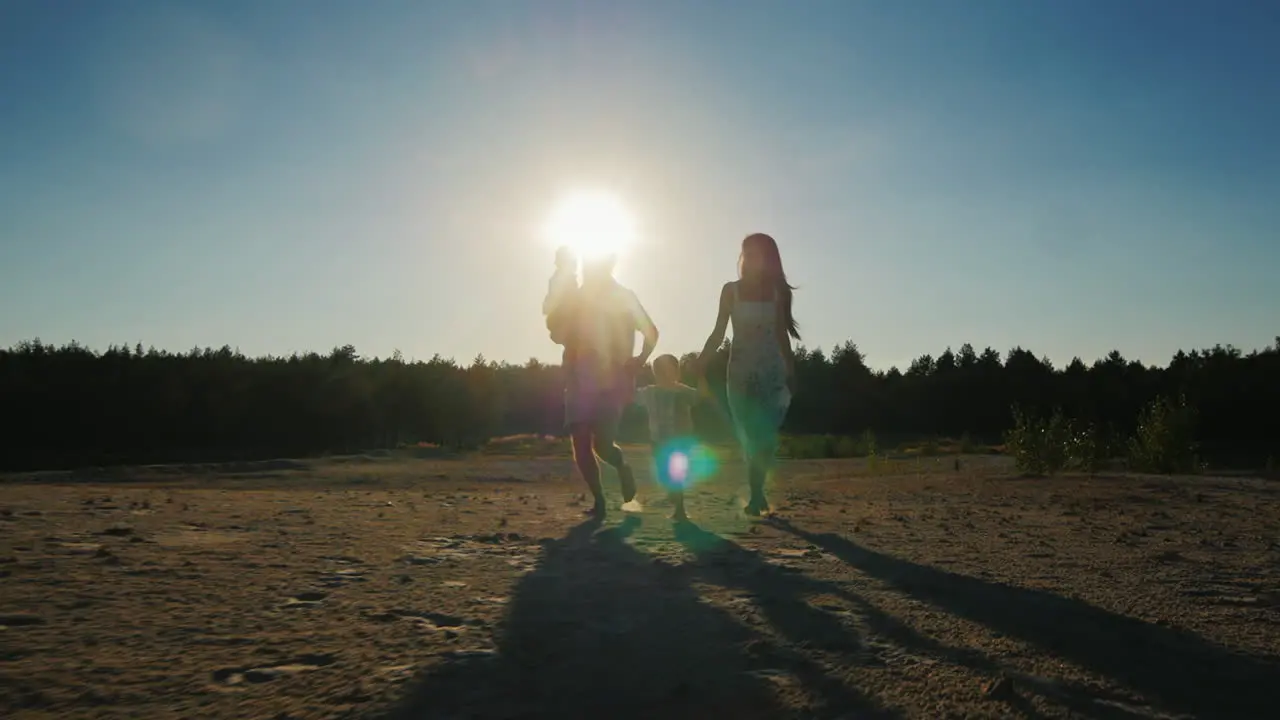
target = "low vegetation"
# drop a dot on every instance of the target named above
(1163, 442)
(71, 406)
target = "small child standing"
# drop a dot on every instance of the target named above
(557, 305)
(668, 403)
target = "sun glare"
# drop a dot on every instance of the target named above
(593, 223)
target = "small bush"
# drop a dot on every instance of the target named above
(1038, 446)
(966, 446)
(1088, 448)
(1165, 438)
(826, 447)
(867, 444)
(805, 447)
(841, 447)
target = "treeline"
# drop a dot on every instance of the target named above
(70, 406)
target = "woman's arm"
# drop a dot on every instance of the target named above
(717, 334)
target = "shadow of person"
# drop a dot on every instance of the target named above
(1175, 669)
(600, 629)
(783, 599)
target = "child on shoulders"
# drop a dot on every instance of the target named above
(557, 306)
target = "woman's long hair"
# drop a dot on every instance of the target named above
(772, 274)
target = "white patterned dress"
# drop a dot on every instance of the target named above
(757, 375)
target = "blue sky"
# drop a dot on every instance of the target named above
(1071, 176)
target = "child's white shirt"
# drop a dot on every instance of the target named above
(668, 409)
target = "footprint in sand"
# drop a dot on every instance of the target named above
(343, 559)
(306, 599)
(20, 619)
(397, 673)
(300, 664)
(427, 620)
(341, 577)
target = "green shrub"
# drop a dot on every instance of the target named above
(867, 444)
(824, 447)
(1088, 448)
(1038, 446)
(847, 447)
(1165, 438)
(804, 447)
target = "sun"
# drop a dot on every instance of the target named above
(592, 222)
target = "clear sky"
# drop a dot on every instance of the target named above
(1070, 176)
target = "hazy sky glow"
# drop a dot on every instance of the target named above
(1070, 176)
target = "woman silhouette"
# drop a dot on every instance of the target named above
(761, 372)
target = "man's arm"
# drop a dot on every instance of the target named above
(645, 325)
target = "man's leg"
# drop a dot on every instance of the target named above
(606, 432)
(585, 459)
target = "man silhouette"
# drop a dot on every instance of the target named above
(601, 371)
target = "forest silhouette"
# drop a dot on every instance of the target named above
(71, 406)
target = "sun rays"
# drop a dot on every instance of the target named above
(592, 222)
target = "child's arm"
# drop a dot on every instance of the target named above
(641, 396)
(691, 393)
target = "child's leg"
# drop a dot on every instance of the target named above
(662, 473)
(678, 514)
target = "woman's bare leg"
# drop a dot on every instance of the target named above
(756, 475)
(764, 448)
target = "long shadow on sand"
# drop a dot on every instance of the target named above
(783, 598)
(1178, 670)
(601, 629)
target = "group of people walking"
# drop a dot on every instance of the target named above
(596, 323)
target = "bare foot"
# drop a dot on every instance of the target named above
(680, 516)
(758, 507)
(597, 510)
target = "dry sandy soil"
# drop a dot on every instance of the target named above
(390, 589)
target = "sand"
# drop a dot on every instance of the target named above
(391, 588)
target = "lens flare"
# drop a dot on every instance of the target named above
(678, 467)
(595, 223)
(684, 462)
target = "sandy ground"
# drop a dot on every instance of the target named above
(392, 589)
